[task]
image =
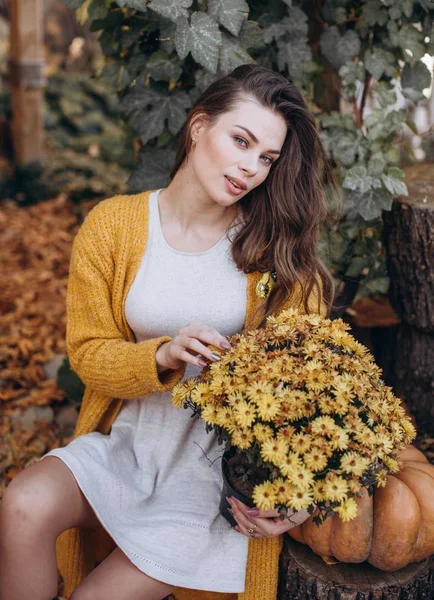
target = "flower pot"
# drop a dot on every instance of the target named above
(228, 491)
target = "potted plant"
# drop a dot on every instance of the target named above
(306, 419)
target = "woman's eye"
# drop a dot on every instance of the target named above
(240, 138)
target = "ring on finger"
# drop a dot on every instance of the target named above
(251, 530)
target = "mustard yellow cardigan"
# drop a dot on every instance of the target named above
(105, 258)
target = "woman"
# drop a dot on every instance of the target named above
(156, 278)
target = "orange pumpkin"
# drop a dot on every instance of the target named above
(394, 526)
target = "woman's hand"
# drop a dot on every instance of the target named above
(190, 345)
(264, 523)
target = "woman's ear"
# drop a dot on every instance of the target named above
(198, 126)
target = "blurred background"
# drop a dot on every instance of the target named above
(92, 98)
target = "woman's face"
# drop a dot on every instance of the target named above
(241, 145)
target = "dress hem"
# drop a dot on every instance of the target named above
(136, 559)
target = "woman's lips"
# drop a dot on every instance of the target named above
(232, 189)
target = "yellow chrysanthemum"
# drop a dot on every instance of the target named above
(315, 460)
(392, 464)
(285, 433)
(244, 414)
(274, 450)
(318, 491)
(300, 499)
(291, 463)
(347, 510)
(326, 404)
(178, 395)
(209, 414)
(262, 432)
(323, 425)
(225, 418)
(381, 479)
(283, 489)
(301, 442)
(200, 394)
(265, 496)
(234, 397)
(242, 438)
(257, 389)
(339, 439)
(268, 406)
(354, 463)
(335, 488)
(384, 445)
(301, 478)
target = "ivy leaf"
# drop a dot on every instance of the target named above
(375, 13)
(150, 123)
(251, 35)
(396, 173)
(153, 170)
(202, 38)
(351, 73)
(229, 13)
(357, 179)
(381, 124)
(377, 164)
(163, 67)
(378, 61)
(414, 79)
(275, 31)
(384, 94)
(116, 75)
(171, 9)
(399, 7)
(232, 54)
(339, 49)
(294, 54)
(407, 38)
(370, 204)
(395, 186)
(427, 4)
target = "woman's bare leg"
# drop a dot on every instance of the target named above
(116, 578)
(39, 504)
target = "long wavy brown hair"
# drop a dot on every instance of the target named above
(282, 216)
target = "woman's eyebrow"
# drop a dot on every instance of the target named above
(255, 139)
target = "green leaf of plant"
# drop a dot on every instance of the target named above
(395, 186)
(232, 54)
(414, 79)
(377, 164)
(384, 93)
(153, 170)
(339, 49)
(357, 179)
(396, 172)
(375, 13)
(294, 54)
(171, 9)
(163, 67)
(407, 38)
(275, 31)
(378, 61)
(351, 73)
(370, 204)
(229, 13)
(399, 7)
(251, 35)
(177, 107)
(202, 38)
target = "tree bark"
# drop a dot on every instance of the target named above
(414, 374)
(409, 229)
(305, 576)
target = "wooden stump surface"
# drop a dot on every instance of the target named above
(409, 230)
(305, 576)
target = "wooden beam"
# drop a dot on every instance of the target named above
(26, 75)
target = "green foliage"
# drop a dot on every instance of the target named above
(161, 54)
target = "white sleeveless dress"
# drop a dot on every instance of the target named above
(153, 481)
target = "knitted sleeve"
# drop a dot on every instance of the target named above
(97, 349)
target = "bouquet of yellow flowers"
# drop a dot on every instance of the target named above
(304, 412)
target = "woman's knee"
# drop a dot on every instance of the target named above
(45, 496)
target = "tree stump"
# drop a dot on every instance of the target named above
(305, 576)
(409, 231)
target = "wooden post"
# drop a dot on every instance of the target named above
(26, 75)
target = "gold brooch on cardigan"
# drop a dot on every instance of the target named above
(266, 284)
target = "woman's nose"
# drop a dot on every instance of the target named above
(249, 166)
